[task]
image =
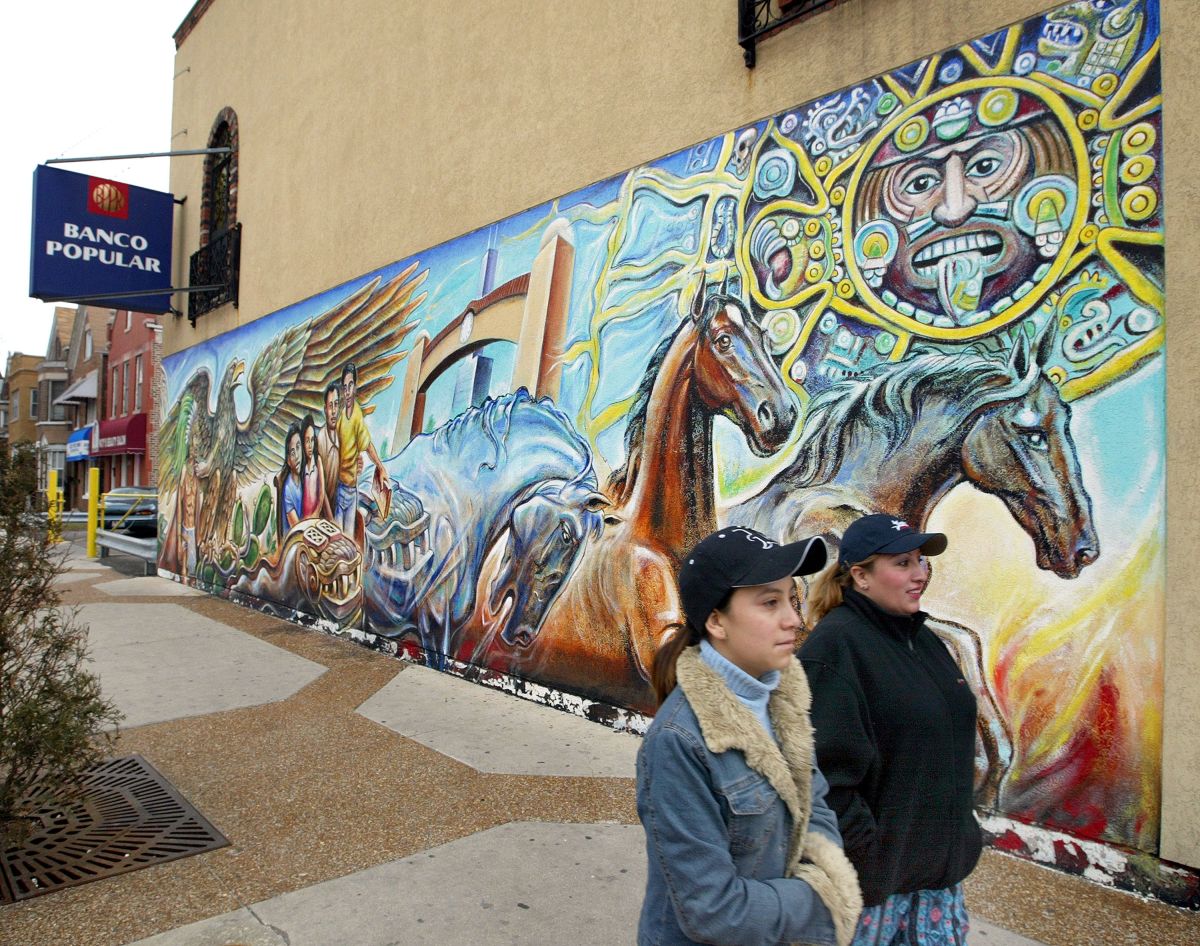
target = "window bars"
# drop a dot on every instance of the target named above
(759, 18)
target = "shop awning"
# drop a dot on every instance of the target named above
(82, 390)
(79, 443)
(122, 435)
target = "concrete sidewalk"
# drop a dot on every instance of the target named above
(368, 801)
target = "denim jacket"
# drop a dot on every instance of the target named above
(742, 848)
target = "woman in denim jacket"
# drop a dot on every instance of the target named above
(742, 847)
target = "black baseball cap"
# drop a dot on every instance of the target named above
(888, 535)
(737, 557)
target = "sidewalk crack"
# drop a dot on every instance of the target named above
(282, 934)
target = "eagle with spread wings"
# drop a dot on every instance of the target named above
(286, 382)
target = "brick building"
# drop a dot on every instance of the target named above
(127, 423)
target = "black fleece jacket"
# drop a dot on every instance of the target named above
(895, 737)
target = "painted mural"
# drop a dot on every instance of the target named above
(938, 293)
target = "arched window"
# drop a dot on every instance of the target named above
(218, 209)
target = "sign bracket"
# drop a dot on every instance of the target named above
(147, 154)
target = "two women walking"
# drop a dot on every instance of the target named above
(746, 812)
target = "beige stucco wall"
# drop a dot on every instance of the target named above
(380, 129)
(1181, 712)
(374, 129)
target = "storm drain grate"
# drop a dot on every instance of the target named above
(127, 817)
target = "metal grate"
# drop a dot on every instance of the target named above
(759, 18)
(215, 267)
(126, 817)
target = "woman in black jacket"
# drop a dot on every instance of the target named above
(895, 735)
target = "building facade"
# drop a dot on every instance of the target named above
(3, 413)
(21, 379)
(83, 398)
(532, 254)
(126, 425)
(53, 426)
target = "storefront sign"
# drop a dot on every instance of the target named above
(122, 435)
(79, 444)
(93, 238)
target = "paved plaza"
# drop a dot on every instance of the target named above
(372, 802)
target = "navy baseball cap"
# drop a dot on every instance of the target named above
(886, 535)
(737, 557)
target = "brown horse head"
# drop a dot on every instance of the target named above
(1020, 449)
(734, 376)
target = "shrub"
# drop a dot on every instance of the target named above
(54, 722)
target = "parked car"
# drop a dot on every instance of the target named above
(132, 509)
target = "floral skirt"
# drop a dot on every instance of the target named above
(922, 918)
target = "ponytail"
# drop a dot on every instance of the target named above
(662, 674)
(828, 589)
(677, 638)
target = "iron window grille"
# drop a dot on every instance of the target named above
(216, 265)
(757, 19)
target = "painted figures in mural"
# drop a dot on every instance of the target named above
(353, 441)
(185, 512)
(938, 294)
(262, 527)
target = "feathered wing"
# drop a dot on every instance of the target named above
(271, 385)
(288, 379)
(363, 329)
(173, 435)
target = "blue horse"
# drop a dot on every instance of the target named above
(512, 470)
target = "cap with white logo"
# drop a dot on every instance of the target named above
(738, 557)
(887, 535)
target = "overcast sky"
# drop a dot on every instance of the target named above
(81, 78)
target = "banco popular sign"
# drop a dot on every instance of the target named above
(95, 240)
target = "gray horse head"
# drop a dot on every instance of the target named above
(546, 533)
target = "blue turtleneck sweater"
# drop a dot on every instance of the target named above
(754, 692)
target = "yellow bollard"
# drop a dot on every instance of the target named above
(53, 506)
(93, 509)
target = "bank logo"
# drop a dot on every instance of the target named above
(109, 198)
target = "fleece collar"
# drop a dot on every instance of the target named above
(727, 723)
